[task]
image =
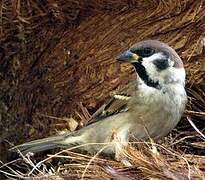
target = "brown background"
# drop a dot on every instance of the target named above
(58, 54)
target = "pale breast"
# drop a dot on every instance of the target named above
(158, 111)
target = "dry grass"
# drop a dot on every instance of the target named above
(56, 54)
(140, 160)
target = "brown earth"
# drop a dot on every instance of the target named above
(57, 57)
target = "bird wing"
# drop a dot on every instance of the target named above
(116, 104)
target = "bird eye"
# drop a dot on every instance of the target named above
(143, 52)
(147, 52)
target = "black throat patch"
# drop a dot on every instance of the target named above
(144, 76)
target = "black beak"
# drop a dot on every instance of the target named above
(128, 56)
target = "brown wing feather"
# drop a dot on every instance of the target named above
(116, 104)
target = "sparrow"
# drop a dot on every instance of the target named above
(149, 107)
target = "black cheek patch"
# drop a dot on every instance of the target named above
(161, 64)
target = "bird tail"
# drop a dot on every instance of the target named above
(47, 143)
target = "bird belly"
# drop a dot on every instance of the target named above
(157, 116)
(107, 134)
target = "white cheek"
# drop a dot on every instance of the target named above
(178, 74)
(171, 74)
(171, 63)
(154, 57)
(151, 68)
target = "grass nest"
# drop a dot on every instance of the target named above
(58, 61)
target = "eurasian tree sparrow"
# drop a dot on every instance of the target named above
(148, 107)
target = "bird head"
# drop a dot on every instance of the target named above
(156, 63)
